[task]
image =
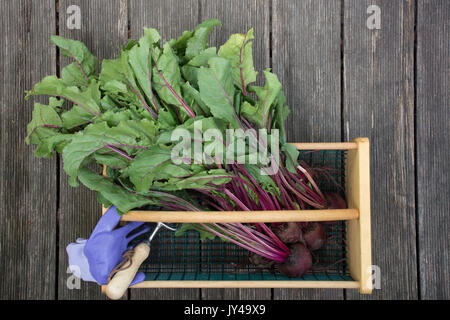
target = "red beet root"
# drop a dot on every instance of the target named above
(298, 262)
(288, 232)
(314, 236)
(335, 201)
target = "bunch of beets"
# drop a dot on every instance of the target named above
(124, 118)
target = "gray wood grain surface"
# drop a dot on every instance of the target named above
(28, 185)
(306, 57)
(103, 30)
(433, 147)
(379, 104)
(239, 16)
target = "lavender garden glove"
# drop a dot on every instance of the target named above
(95, 258)
(78, 263)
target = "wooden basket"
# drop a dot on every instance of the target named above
(356, 217)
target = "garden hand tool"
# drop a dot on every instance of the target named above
(123, 278)
(94, 259)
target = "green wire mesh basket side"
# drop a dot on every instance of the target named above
(188, 258)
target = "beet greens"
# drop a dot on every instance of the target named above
(124, 116)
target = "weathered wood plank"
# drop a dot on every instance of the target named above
(27, 192)
(239, 16)
(103, 30)
(379, 104)
(433, 142)
(306, 57)
(170, 18)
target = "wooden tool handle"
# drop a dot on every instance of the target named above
(122, 279)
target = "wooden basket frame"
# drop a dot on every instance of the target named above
(357, 217)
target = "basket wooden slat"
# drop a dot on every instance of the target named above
(241, 216)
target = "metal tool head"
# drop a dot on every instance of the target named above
(159, 225)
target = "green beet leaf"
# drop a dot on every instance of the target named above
(84, 66)
(89, 99)
(217, 90)
(238, 49)
(46, 121)
(198, 42)
(111, 193)
(140, 60)
(151, 165)
(267, 95)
